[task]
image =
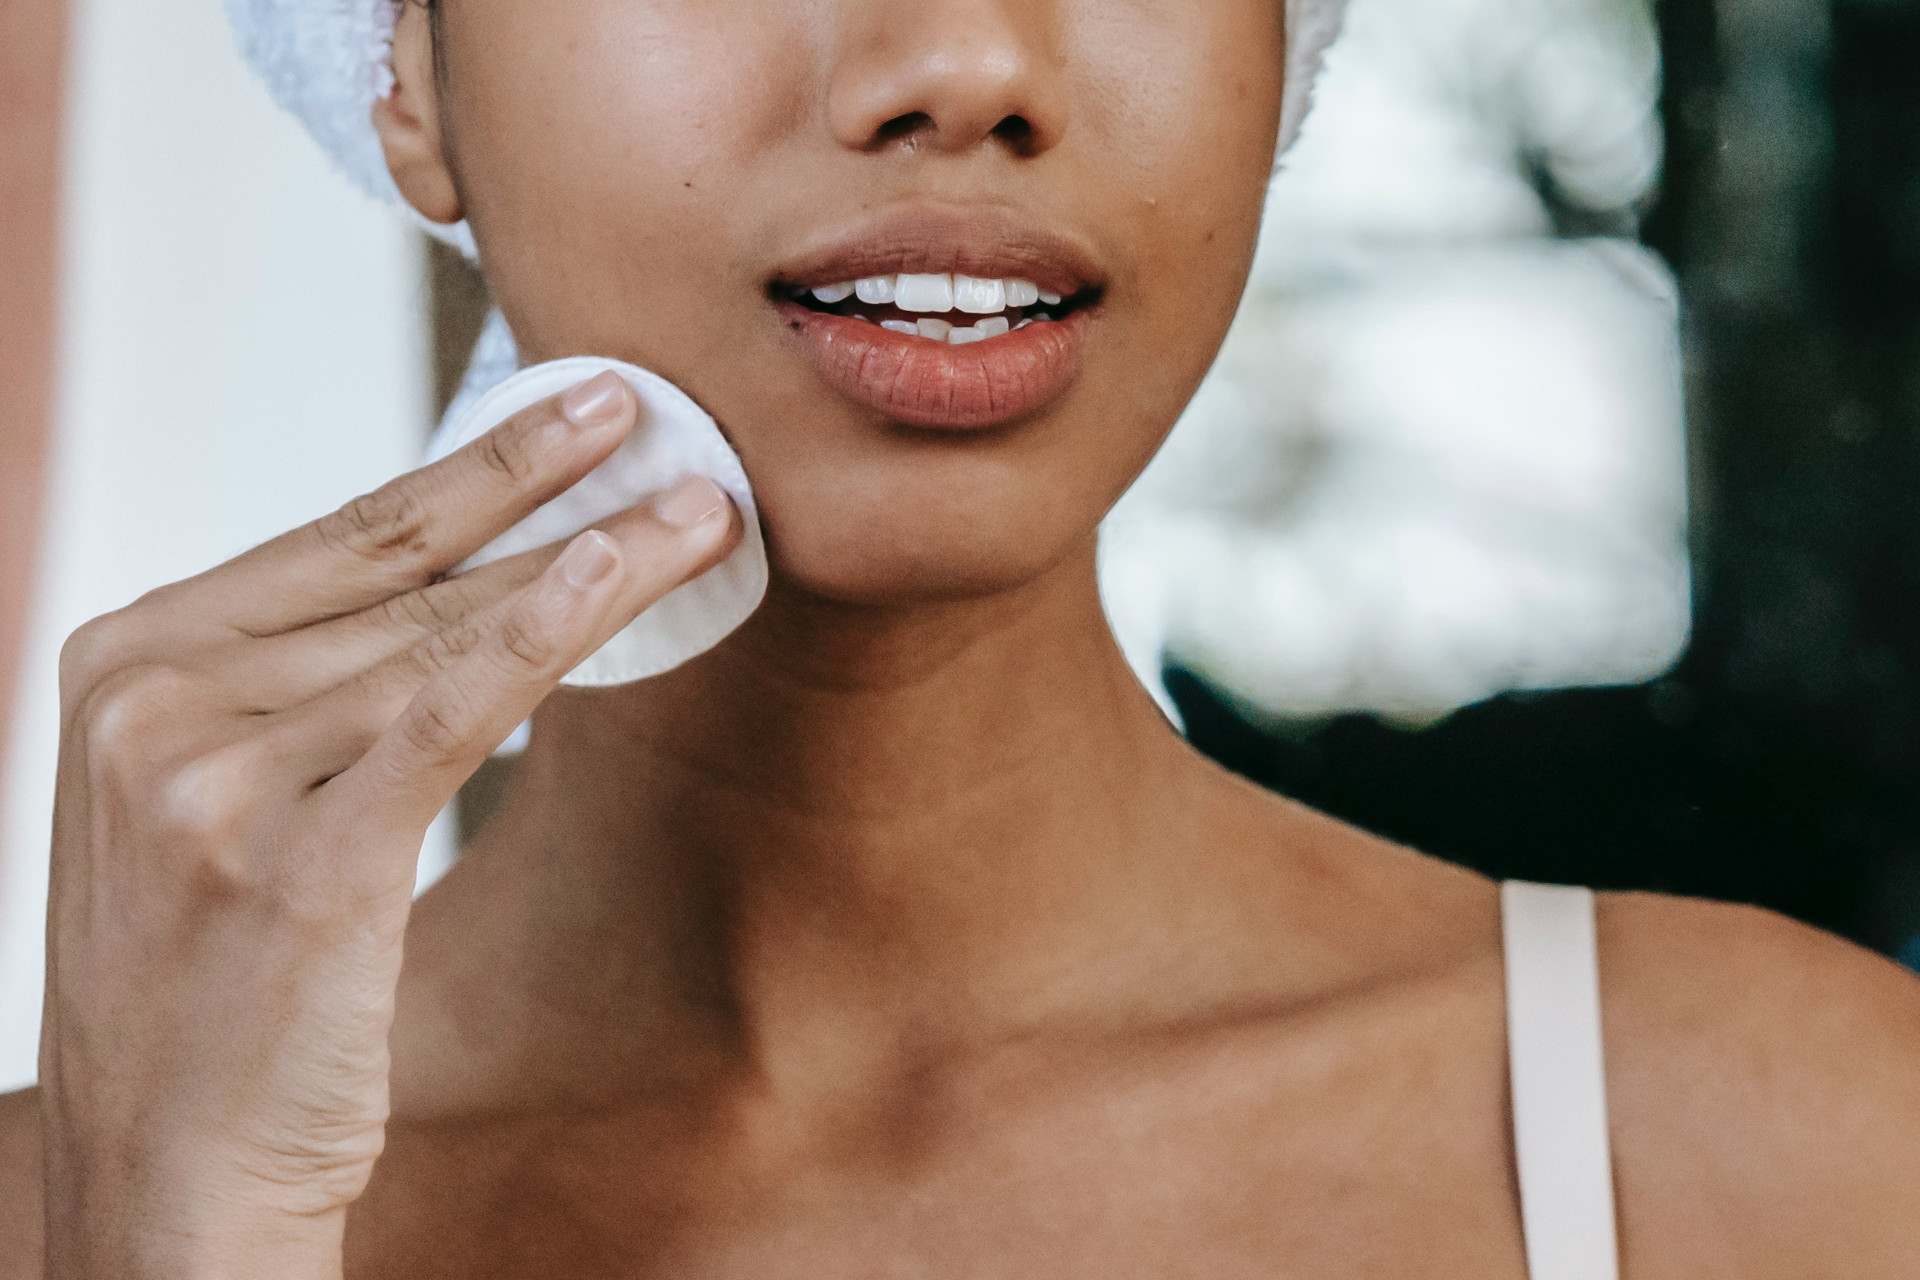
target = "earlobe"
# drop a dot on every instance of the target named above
(408, 122)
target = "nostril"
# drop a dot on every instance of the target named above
(902, 128)
(1016, 132)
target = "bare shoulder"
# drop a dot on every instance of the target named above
(20, 1186)
(1764, 1080)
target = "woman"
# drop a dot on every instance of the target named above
(899, 935)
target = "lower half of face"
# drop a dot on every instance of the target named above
(945, 274)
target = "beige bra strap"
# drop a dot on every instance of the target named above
(1559, 1083)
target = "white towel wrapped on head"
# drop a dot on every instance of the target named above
(328, 62)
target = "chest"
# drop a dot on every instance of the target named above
(1344, 1169)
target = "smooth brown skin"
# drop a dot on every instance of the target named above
(899, 936)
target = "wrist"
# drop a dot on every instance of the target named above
(140, 1245)
(165, 1216)
(297, 1249)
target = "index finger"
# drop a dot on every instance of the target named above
(414, 529)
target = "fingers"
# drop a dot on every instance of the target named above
(409, 532)
(285, 670)
(440, 709)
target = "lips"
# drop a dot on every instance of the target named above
(924, 382)
(943, 322)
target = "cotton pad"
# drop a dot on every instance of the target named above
(673, 438)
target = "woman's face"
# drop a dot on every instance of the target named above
(657, 180)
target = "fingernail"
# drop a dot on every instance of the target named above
(588, 561)
(597, 401)
(694, 501)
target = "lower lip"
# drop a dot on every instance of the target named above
(923, 383)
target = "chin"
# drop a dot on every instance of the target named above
(889, 555)
(860, 511)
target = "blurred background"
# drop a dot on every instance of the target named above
(1552, 507)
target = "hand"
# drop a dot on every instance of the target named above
(248, 765)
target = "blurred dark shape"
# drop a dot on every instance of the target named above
(1779, 764)
(457, 302)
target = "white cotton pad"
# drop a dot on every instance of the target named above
(673, 438)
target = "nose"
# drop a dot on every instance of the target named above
(948, 76)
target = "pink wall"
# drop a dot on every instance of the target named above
(32, 42)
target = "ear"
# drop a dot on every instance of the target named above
(408, 121)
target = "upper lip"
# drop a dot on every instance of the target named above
(989, 244)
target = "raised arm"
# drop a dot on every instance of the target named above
(250, 760)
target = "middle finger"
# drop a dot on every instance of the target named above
(286, 670)
(416, 528)
(364, 705)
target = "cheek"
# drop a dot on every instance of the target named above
(1189, 105)
(608, 143)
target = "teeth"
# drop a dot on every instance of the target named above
(979, 297)
(957, 336)
(937, 294)
(923, 293)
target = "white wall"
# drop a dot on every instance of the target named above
(242, 349)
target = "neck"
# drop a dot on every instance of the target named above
(936, 823)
